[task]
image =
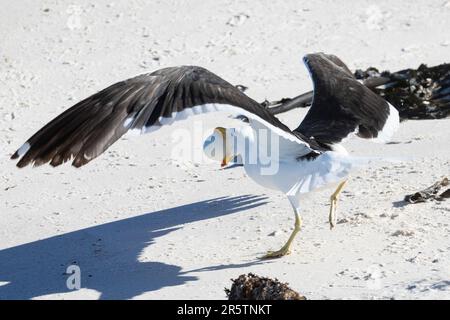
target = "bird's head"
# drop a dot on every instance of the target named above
(219, 146)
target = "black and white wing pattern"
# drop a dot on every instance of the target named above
(342, 105)
(143, 103)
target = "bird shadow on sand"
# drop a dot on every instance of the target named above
(108, 254)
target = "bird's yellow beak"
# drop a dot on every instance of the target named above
(225, 161)
(226, 158)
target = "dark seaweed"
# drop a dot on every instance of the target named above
(422, 93)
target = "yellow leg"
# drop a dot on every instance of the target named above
(285, 250)
(334, 198)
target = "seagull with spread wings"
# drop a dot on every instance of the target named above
(307, 158)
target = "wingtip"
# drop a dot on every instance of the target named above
(305, 58)
(21, 151)
(77, 164)
(21, 164)
(57, 160)
(308, 56)
(80, 160)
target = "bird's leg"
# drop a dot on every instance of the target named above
(333, 199)
(285, 250)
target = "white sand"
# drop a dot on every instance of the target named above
(142, 227)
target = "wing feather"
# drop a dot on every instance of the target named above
(342, 105)
(145, 102)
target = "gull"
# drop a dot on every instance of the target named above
(295, 162)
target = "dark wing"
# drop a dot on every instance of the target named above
(336, 60)
(342, 105)
(144, 103)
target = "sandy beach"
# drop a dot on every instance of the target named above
(142, 225)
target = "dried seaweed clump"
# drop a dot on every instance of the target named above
(430, 193)
(422, 93)
(253, 287)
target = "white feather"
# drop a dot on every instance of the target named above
(389, 128)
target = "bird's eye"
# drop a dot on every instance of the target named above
(212, 139)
